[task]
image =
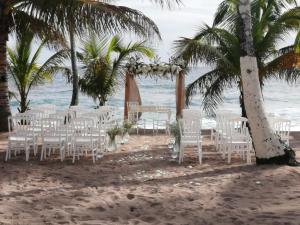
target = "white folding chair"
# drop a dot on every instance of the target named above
(190, 135)
(46, 108)
(21, 135)
(52, 137)
(84, 139)
(282, 128)
(237, 139)
(134, 116)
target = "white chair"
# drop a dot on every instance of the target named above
(52, 137)
(282, 128)
(78, 111)
(46, 108)
(21, 135)
(190, 135)
(237, 139)
(134, 116)
(220, 133)
(84, 139)
(161, 121)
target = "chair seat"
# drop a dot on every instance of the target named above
(54, 139)
(19, 138)
(85, 140)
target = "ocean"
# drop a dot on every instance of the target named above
(281, 99)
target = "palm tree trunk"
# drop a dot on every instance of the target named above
(75, 90)
(4, 100)
(23, 103)
(241, 100)
(267, 146)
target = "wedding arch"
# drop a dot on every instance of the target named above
(158, 70)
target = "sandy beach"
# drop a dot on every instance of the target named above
(138, 186)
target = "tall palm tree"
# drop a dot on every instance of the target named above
(103, 62)
(47, 18)
(218, 46)
(84, 15)
(268, 148)
(25, 71)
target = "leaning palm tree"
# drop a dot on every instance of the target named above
(51, 19)
(24, 70)
(268, 148)
(103, 63)
(218, 46)
(255, 46)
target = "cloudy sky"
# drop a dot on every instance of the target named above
(180, 22)
(175, 23)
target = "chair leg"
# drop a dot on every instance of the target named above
(35, 149)
(94, 156)
(74, 152)
(27, 153)
(200, 154)
(8, 152)
(42, 152)
(229, 155)
(181, 149)
(248, 157)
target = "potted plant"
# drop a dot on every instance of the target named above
(112, 133)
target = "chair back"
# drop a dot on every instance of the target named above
(282, 128)
(190, 128)
(47, 109)
(191, 114)
(82, 126)
(51, 125)
(21, 123)
(236, 127)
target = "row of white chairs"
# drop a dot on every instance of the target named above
(64, 131)
(231, 135)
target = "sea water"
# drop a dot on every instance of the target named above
(281, 99)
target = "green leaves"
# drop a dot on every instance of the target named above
(218, 46)
(103, 63)
(24, 69)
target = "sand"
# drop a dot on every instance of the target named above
(138, 186)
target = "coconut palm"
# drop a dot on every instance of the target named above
(269, 149)
(52, 19)
(103, 62)
(25, 71)
(218, 46)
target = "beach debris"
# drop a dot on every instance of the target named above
(258, 182)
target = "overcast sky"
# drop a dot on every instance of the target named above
(175, 23)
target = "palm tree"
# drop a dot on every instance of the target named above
(24, 70)
(103, 62)
(81, 16)
(47, 18)
(218, 46)
(268, 148)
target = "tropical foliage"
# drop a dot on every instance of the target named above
(25, 71)
(219, 47)
(103, 65)
(53, 18)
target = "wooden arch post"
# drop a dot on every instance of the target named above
(180, 93)
(132, 93)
